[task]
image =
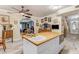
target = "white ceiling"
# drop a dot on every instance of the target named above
(36, 10)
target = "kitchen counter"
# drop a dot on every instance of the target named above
(42, 43)
(48, 36)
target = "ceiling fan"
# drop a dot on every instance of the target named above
(22, 11)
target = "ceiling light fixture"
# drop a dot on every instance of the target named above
(22, 13)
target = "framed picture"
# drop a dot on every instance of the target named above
(49, 19)
(4, 19)
(45, 18)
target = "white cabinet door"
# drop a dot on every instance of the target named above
(50, 47)
(28, 47)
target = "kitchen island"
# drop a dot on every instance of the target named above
(42, 43)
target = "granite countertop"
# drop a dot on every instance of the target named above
(42, 37)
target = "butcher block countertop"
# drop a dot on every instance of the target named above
(41, 37)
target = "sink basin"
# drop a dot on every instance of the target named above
(38, 38)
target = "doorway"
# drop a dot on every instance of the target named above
(26, 25)
(73, 24)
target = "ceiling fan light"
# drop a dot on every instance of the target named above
(22, 13)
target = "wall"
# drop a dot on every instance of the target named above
(16, 27)
(13, 17)
(65, 13)
(2, 12)
(34, 19)
(15, 21)
(54, 19)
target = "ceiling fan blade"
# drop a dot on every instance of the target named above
(28, 14)
(11, 12)
(22, 6)
(15, 9)
(27, 10)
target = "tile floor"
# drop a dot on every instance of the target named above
(71, 44)
(12, 48)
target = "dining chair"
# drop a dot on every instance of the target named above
(7, 34)
(2, 44)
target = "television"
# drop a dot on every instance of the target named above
(55, 26)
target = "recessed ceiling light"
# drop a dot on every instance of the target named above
(55, 7)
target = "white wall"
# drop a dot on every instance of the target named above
(16, 26)
(2, 12)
